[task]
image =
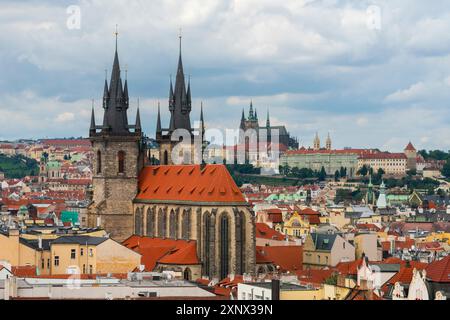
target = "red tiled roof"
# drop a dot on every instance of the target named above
(24, 271)
(189, 183)
(439, 271)
(166, 251)
(405, 274)
(383, 155)
(430, 246)
(407, 244)
(314, 276)
(288, 258)
(324, 151)
(348, 268)
(266, 232)
(66, 142)
(410, 147)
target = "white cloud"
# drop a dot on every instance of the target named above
(65, 117)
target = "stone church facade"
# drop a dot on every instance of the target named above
(191, 202)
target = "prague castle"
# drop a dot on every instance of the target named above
(198, 203)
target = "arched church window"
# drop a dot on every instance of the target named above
(121, 160)
(186, 225)
(138, 222)
(99, 162)
(150, 223)
(224, 246)
(173, 224)
(162, 223)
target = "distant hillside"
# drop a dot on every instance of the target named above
(17, 167)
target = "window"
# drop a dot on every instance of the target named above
(91, 269)
(91, 253)
(81, 251)
(121, 160)
(73, 254)
(56, 261)
(42, 263)
(84, 268)
(99, 162)
(343, 245)
(48, 263)
(318, 259)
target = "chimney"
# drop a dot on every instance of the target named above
(275, 289)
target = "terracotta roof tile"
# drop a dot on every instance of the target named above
(189, 183)
(266, 232)
(166, 251)
(439, 271)
(288, 258)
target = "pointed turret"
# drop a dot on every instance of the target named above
(256, 114)
(328, 142)
(158, 123)
(189, 93)
(202, 122)
(180, 100)
(115, 101)
(138, 127)
(92, 127)
(250, 111)
(317, 142)
(125, 93)
(242, 125)
(105, 95)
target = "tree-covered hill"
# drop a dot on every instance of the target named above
(16, 167)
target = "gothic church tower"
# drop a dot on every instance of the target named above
(118, 159)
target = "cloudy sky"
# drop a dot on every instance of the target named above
(372, 73)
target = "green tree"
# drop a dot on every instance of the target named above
(337, 175)
(322, 174)
(446, 169)
(363, 171)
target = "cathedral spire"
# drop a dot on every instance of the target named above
(328, 142)
(92, 128)
(180, 102)
(268, 119)
(115, 100)
(250, 112)
(158, 122)
(317, 142)
(138, 127)
(242, 126)
(202, 121)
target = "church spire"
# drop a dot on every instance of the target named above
(202, 122)
(180, 102)
(158, 122)
(92, 127)
(328, 142)
(250, 112)
(317, 142)
(138, 127)
(115, 100)
(268, 119)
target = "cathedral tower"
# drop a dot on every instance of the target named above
(118, 159)
(328, 142)
(180, 106)
(317, 142)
